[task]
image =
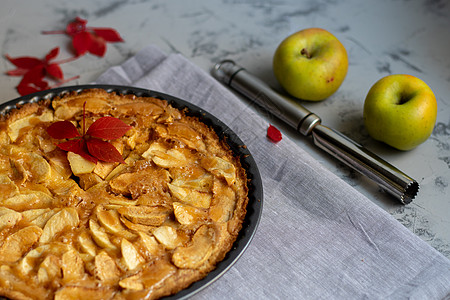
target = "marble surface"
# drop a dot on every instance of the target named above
(382, 37)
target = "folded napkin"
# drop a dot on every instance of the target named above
(318, 237)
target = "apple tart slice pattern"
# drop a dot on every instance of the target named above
(145, 228)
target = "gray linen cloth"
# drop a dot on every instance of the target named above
(318, 238)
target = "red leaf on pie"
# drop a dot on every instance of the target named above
(274, 134)
(103, 150)
(108, 128)
(90, 144)
(63, 130)
(78, 146)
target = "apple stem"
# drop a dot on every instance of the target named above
(305, 53)
(84, 118)
(403, 99)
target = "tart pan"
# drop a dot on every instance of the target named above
(255, 194)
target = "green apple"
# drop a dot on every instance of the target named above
(401, 111)
(310, 64)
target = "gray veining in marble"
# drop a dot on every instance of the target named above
(382, 37)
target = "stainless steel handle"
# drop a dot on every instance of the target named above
(307, 123)
(365, 162)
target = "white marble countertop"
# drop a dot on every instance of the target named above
(381, 37)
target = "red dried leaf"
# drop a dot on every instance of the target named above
(98, 46)
(274, 134)
(34, 75)
(77, 26)
(32, 81)
(108, 128)
(108, 34)
(63, 130)
(103, 150)
(25, 89)
(61, 82)
(82, 42)
(89, 39)
(24, 62)
(41, 85)
(78, 146)
(16, 72)
(54, 70)
(34, 70)
(52, 54)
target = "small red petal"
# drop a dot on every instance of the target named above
(274, 134)
(108, 128)
(34, 75)
(52, 54)
(63, 130)
(77, 26)
(108, 34)
(55, 70)
(82, 42)
(59, 83)
(41, 84)
(27, 89)
(98, 46)
(24, 62)
(103, 151)
(17, 72)
(78, 146)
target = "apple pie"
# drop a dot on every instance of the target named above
(143, 228)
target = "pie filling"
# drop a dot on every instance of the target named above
(74, 229)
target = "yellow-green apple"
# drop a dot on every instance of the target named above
(310, 64)
(400, 110)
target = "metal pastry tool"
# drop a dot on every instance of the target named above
(307, 123)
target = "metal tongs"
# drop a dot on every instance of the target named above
(307, 123)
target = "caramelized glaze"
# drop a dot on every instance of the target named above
(139, 230)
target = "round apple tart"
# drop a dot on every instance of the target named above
(77, 222)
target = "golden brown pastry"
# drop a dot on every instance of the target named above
(149, 227)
